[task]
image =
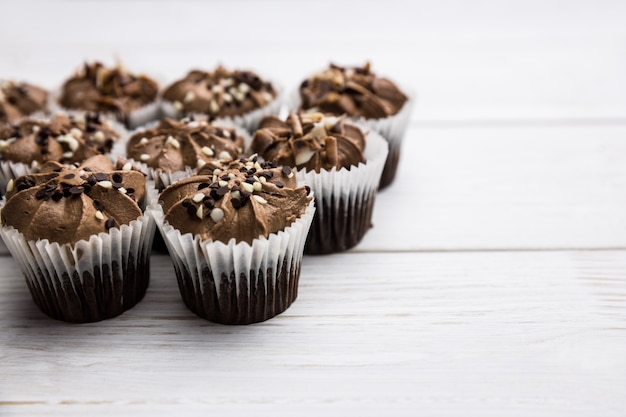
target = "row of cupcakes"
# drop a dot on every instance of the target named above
(241, 96)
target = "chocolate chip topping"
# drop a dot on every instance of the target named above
(69, 207)
(220, 93)
(310, 141)
(355, 91)
(223, 204)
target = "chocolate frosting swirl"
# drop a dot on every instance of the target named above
(311, 141)
(245, 201)
(67, 204)
(220, 93)
(99, 89)
(355, 91)
(63, 138)
(20, 99)
(175, 145)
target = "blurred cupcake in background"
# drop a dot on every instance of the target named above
(131, 98)
(365, 97)
(19, 99)
(341, 162)
(239, 95)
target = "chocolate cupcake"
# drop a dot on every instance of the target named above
(241, 96)
(63, 138)
(340, 163)
(236, 237)
(130, 97)
(173, 149)
(19, 99)
(80, 238)
(366, 98)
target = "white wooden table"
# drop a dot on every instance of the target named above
(494, 280)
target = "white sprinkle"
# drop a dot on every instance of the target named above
(77, 133)
(207, 151)
(144, 157)
(291, 174)
(178, 105)
(239, 96)
(10, 186)
(79, 119)
(231, 175)
(223, 183)
(127, 166)
(217, 171)
(108, 124)
(72, 143)
(259, 199)
(199, 211)
(213, 106)
(35, 164)
(304, 156)
(247, 186)
(122, 190)
(193, 124)
(257, 166)
(68, 155)
(36, 129)
(198, 197)
(244, 88)
(172, 141)
(217, 214)
(3, 143)
(226, 133)
(99, 215)
(143, 141)
(227, 97)
(82, 172)
(217, 88)
(257, 186)
(235, 194)
(200, 163)
(99, 136)
(105, 184)
(227, 82)
(224, 155)
(267, 96)
(190, 96)
(263, 180)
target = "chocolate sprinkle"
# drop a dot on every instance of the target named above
(286, 171)
(109, 223)
(97, 204)
(76, 190)
(117, 177)
(279, 184)
(68, 176)
(203, 185)
(100, 176)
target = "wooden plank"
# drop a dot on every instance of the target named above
(504, 333)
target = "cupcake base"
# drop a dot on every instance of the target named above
(391, 165)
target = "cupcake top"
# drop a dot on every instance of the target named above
(176, 145)
(221, 93)
(19, 99)
(310, 141)
(62, 138)
(116, 90)
(246, 200)
(355, 91)
(67, 204)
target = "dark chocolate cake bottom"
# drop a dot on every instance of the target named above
(391, 165)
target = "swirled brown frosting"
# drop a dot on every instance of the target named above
(67, 204)
(62, 138)
(175, 145)
(97, 88)
(19, 99)
(309, 140)
(220, 93)
(244, 201)
(355, 91)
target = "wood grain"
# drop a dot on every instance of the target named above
(519, 333)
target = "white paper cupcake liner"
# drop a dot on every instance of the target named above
(345, 199)
(392, 129)
(238, 283)
(249, 121)
(164, 178)
(93, 279)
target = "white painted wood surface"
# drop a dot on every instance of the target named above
(494, 280)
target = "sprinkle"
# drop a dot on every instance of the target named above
(260, 199)
(127, 166)
(66, 155)
(244, 88)
(279, 184)
(227, 82)
(77, 133)
(200, 163)
(227, 98)
(217, 88)
(36, 129)
(263, 180)
(178, 105)
(226, 133)
(68, 176)
(199, 211)
(224, 155)
(193, 124)
(143, 141)
(267, 96)
(213, 106)
(172, 141)
(76, 190)
(207, 151)
(190, 96)
(217, 214)
(105, 184)
(304, 156)
(198, 197)
(99, 136)
(109, 223)
(223, 183)
(248, 187)
(10, 186)
(122, 190)
(99, 215)
(235, 194)
(257, 186)
(144, 157)
(203, 185)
